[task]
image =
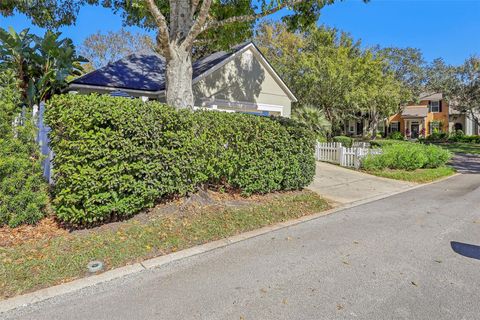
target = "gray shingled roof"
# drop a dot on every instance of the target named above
(146, 71)
(431, 96)
(415, 111)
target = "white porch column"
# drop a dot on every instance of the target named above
(405, 122)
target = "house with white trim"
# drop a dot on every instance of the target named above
(238, 80)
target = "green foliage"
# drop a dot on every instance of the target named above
(23, 192)
(437, 136)
(314, 119)
(385, 142)
(42, 65)
(114, 156)
(408, 156)
(330, 70)
(407, 66)
(396, 135)
(9, 102)
(344, 140)
(459, 136)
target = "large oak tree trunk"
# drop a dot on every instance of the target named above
(179, 91)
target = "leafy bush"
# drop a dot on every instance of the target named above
(344, 140)
(396, 135)
(460, 137)
(115, 156)
(408, 156)
(23, 192)
(437, 136)
(385, 142)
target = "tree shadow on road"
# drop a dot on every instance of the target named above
(466, 250)
(466, 163)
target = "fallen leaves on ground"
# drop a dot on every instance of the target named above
(45, 229)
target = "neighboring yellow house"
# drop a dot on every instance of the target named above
(430, 115)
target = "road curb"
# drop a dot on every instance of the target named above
(61, 289)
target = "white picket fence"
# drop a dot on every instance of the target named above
(346, 157)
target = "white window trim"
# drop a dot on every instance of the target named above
(397, 126)
(218, 103)
(437, 106)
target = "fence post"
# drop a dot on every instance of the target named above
(356, 159)
(341, 155)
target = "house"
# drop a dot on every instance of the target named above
(432, 114)
(239, 80)
(461, 121)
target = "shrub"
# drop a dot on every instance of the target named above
(115, 156)
(396, 135)
(344, 140)
(408, 156)
(385, 142)
(23, 192)
(437, 136)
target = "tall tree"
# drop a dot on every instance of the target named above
(100, 49)
(466, 93)
(441, 77)
(179, 23)
(329, 70)
(407, 66)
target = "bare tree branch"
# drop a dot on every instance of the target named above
(251, 17)
(162, 37)
(199, 24)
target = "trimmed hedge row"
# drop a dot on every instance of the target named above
(115, 156)
(347, 142)
(408, 156)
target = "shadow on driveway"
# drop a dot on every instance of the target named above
(466, 250)
(466, 163)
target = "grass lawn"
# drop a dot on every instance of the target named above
(39, 262)
(461, 147)
(419, 175)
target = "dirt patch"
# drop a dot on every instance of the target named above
(49, 228)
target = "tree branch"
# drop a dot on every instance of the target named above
(251, 17)
(199, 24)
(162, 36)
(194, 7)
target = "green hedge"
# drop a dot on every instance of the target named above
(408, 156)
(344, 140)
(23, 192)
(115, 156)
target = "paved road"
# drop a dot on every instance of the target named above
(344, 185)
(389, 259)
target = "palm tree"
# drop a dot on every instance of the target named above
(314, 119)
(16, 52)
(58, 61)
(43, 65)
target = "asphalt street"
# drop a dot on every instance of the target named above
(414, 255)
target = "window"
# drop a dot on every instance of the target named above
(394, 126)
(351, 126)
(434, 106)
(435, 126)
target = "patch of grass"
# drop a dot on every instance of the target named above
(419, 175)
(42, 263)
(461, 147)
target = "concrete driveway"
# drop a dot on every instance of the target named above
(415, 255)
(346, 186)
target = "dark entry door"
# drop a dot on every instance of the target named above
(415, 130)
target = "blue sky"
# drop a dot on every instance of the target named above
(440, 28)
